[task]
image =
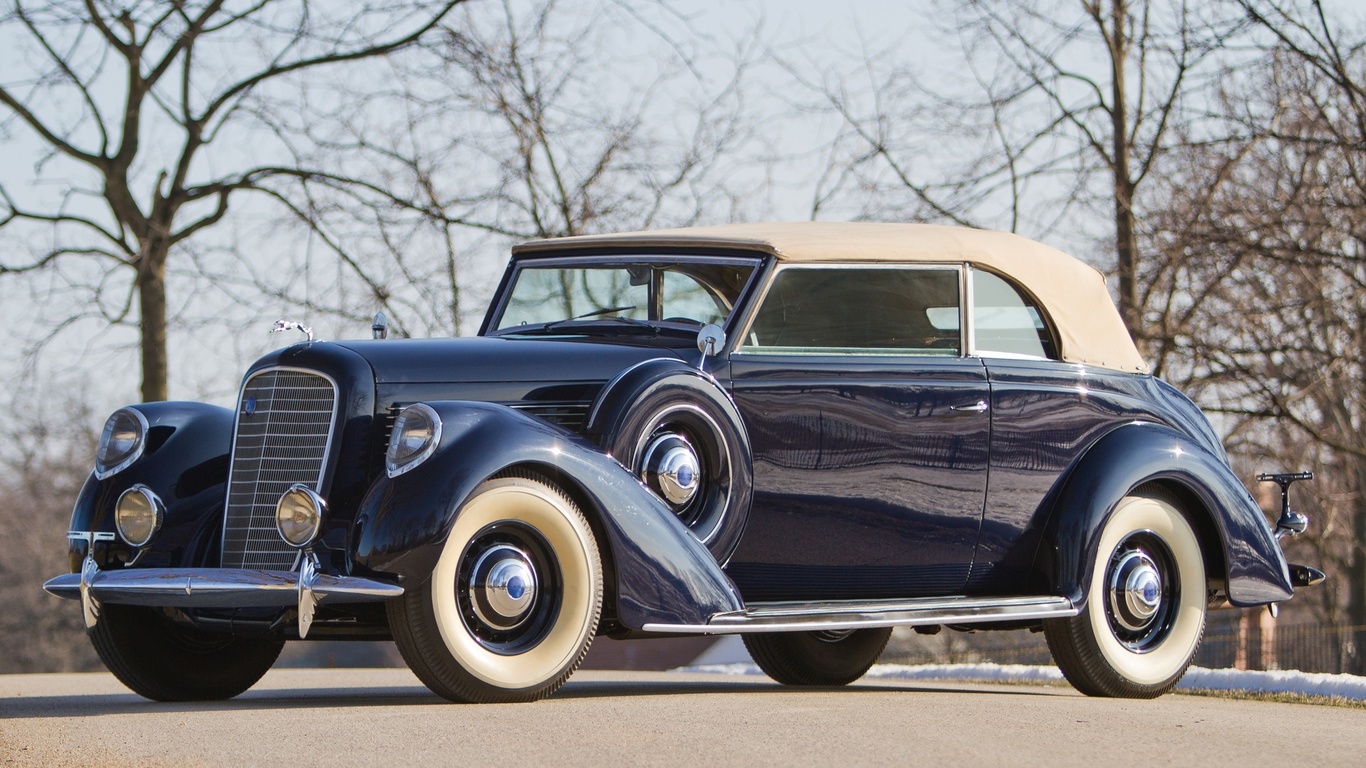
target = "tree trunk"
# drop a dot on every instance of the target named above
(152, 303)
(1126, 247)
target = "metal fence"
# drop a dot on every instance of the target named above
(1230, 641)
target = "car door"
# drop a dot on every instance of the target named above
(869, 430)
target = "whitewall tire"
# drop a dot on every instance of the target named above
(514, 601)
(1145, 605)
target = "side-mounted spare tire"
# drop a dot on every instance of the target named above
(678, 430)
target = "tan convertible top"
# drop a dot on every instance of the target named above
(1073, 294)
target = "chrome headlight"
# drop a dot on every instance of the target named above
(416, 434)
(138, 515)
(121, 443)
(299, 516)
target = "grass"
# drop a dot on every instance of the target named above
(1278, 698)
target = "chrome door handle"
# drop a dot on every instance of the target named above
(977, 407)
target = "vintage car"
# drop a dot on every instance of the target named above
(805, 433)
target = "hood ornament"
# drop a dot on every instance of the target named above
(379, 329)
(286, 325)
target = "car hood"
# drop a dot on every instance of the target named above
(499, 359)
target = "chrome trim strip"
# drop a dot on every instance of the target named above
(967, 325)
(606, 388)
(215, 587)
(796, 617)
(90, 537)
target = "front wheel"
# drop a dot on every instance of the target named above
(817, 658)
(163, 661)
(1145, 606)
(514, 601)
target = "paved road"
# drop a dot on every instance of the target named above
(299, 718)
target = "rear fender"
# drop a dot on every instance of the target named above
(663, 574)
(185, 464)
(1232, 528)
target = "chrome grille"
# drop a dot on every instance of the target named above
(284, 432)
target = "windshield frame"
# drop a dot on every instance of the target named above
(569, 327)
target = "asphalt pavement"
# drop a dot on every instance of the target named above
(384, 717)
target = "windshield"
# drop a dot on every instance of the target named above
(578, 296)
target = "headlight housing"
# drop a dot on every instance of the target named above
(138, 515)
(417, 431)
(299, 516)
(121, 442)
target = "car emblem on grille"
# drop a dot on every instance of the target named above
(249, 406)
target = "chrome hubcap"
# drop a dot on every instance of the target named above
(1135, 590)
(503, 587)
(671, 469)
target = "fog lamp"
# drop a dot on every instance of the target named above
(137, 515)
(299, 515)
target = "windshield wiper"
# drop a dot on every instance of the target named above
(585, 323)
(598, 313)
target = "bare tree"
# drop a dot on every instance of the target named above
(1262, 280)
(524, 120)
(144, 115)
(1067, 109)
(44, 458)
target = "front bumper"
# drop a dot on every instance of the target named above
(217, 588)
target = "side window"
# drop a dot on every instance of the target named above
(1005, 322)
(890, 311)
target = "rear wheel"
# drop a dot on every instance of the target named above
(163, 661)
(1145, 606)
(514, 602)
(817, 658)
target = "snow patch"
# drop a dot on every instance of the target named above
(1306, 683)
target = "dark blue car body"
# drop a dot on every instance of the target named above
(859, 490)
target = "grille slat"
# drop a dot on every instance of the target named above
(284, 441)
(571, 416)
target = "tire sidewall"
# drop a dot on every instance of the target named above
(574, 551)
(1163, 664)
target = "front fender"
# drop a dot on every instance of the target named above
(185, 463)
(663, 574)
(1140, 453)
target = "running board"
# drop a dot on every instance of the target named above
(838, 615)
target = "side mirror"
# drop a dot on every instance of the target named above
(710, 340)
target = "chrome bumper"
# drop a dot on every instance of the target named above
(217, 588)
